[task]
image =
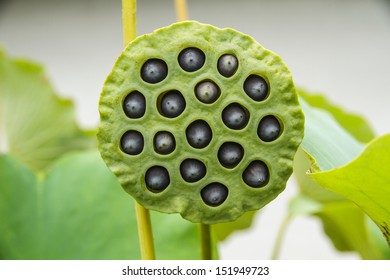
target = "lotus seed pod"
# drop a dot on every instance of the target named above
(157, 178)
(227, 65)
(192, 170)
(230, 154)
(220, 127)
(132, 142)
(134, 105)
(207, 92)
(191, 59)
(199, 134)
(234, 116)
(256, 87)
(172, 104)
(164, 142)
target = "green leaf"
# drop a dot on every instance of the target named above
(303, 205)
(307, 185)
(223, 230)
(355, 124)
(77, 210)
(326, 142)
(379, 242)
(365, 181)
(37, 124)
(18, 210)
(343, 222)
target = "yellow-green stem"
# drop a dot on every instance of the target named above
(145, 235)
(181, 10)
(129, 20)
(279, 238)
(205, 237)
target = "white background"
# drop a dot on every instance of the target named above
(340, 48)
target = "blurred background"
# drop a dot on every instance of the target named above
(339, 48)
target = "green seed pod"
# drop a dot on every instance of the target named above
(217, 125)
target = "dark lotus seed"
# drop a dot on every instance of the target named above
(256, 174)
(134, 105)
(172, 104)
(132, 142)
(154, 71)
(199, 134)
(214, 194)
(230, 154)
(191, 59)
(256, 87)
(269, 129)
(164, 142)
(157, 178)
(192, 170)
(234, 116)
(207, 92)
(227, 65)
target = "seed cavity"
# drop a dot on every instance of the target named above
(235, 116)
(164, 142)
(154, 71)
(132, 142)
(134, 105)
(230, 154)
(192, 170)
(227, 65)
(256, 175)
(214, 194)
(157, 178)
(256, 88)
(207, 92)
(199, 134)
(191, 59)
(269, 129)
(171, 104)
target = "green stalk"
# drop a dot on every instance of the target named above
(129, 20)
(181, 10)
(145, 234)
(280, 236)
(144, 225)
(205, 238)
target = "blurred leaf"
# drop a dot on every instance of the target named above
(303, 205)
(365, 181)
(355, 124)
(223, 230)
(18, 211)
(79, 211)
(343, 222)
(39, 126)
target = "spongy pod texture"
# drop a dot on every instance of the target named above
(200, 121)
